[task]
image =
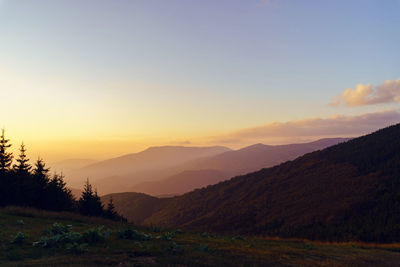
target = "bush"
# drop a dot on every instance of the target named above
(95, 235)
(19, 238)
(132, 234)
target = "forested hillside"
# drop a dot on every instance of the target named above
(345, 192)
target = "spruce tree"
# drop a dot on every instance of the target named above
(90, 203)
(59, 196)
(41, 173)
(22, 167)
(41, 180)
(110, 211)
(5, 157)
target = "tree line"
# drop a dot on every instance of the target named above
(23, 184)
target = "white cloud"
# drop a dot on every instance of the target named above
(388, 92)
(311, 129)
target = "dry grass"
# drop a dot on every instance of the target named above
(389, 246)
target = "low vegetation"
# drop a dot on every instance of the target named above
(58, 239)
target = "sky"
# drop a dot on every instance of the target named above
(101, 78)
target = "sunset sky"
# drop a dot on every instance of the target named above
(96, 78)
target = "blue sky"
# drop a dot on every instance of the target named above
(166, 70)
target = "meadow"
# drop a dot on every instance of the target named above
(124, 244)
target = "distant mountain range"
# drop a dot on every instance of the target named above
(344, 192)
(68, 165)
(211, 170)
(116, 174)
(177, 170)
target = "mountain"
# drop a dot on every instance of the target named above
(135, 206)
(182, 182)
(211, 170)
(350, 191)
(139, 167)
(70, 164)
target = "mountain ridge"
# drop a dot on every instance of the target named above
(349, 191)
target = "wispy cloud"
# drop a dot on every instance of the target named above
(366, 94)
(311, 129)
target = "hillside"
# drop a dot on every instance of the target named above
(211, 170)
(347, 191)
(158, 247)
(183, 182)
(139, 167)
(258, 156)
(136, 206)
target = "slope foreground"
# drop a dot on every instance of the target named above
(350, 191)
(178, 249)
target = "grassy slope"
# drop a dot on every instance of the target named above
(223, 250)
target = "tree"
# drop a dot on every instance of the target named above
(22, 167)
(41, 173)
(90, 203)
(110, 211)
(24, 188)
(5, 157)
(59, 197)
(41, 180)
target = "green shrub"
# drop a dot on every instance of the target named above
(59, 228)
(19, 238)
(95, 235)
(132, 234)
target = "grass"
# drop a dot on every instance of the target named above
(172, 248)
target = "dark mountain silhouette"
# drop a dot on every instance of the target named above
(211, 170)
(139, 167)
(344, 192)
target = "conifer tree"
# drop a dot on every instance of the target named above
(22, 167)
(59, 196)
(41, 173)
(110, 211)
(90, 203)
(5, 157)
(41, 180)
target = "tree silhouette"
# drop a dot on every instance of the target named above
(5, 158)
(41, 180)
(110, 211)
(22, 167)
(59, 196)
(20, 185)
(90, 203)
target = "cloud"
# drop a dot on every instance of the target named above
(388, 92)
(311, 129)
